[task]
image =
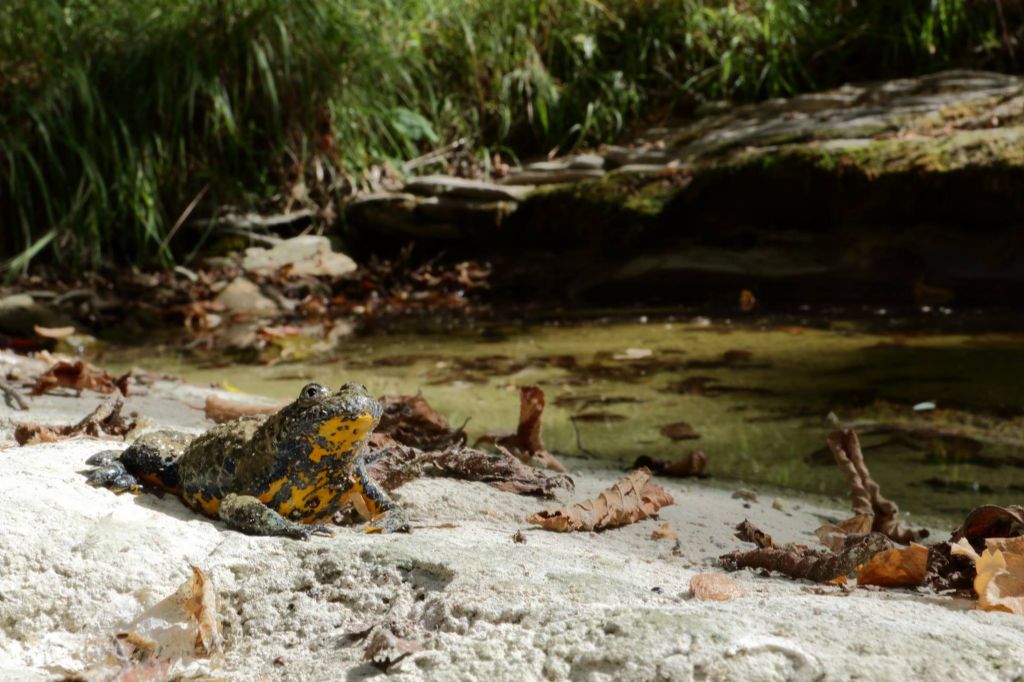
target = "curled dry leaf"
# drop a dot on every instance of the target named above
(180, 631)
(679, 431)
(991, 521)
(630, 499)
(222, 410)
(410, 420)
(897, 567)
(999, 580)
(715, 587)
(664, 532)
(949, 569)
(384, 648)
(526, 443)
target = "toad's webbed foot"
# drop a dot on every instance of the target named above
(110, 473)
(392, 520)
(247, 514)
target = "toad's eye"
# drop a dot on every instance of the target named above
(310, 391)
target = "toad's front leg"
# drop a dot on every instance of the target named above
(372, 503)
(249, 515)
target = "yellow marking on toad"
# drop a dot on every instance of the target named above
(274, 489)
(209, 506)
(313, 500)
(341, 435)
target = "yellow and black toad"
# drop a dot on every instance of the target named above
(276, 475)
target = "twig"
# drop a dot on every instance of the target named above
(436, 155)
(12, 396)
(579, 438)
(798, 561)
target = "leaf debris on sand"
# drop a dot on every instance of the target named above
(632, 498)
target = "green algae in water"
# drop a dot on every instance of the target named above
(758, 399)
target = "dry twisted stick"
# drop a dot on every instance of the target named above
(799, 561)
(865, 493)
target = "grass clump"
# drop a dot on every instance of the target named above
(121, 120)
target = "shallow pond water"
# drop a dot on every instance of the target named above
(757, 399)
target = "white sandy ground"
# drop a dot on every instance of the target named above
(77, 564)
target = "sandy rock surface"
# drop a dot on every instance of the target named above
(78, 564)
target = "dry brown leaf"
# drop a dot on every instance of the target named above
(747, 301)
(53, 332)
(664, 532)
(679, 431)
(392, 464)
(632, 498)
(222, 410)
(384, 648)
(692, 464)
(991, 521)
(79, 376)
(999, 582)
(199, 600)
(715, 587)
(531, 409)
(898, 567)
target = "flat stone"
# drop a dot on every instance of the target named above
(307, 255)
(19, 313)
(243, 297)
(548, 166)
(390, 212)
(586, 162)
(643, 168)
(435, 185)
(465, 211)
(551, 178)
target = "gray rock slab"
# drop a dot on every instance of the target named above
(79, 563)
(19, 313)
(550, 177)
(434, 185)
(587, 161)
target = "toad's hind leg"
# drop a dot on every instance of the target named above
(370, 500)
(249, 515)
(151, 460)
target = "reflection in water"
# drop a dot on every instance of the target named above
(755, 400)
